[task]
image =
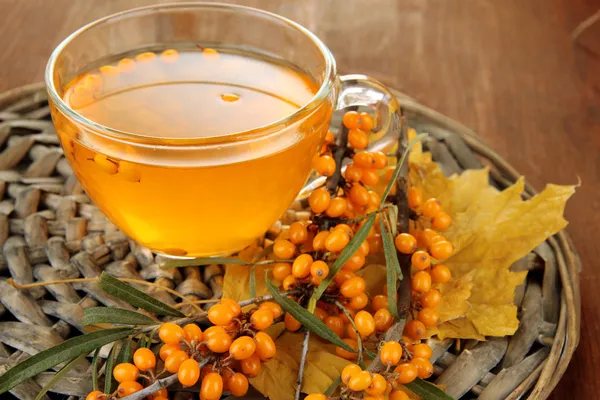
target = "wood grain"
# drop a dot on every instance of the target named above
(508, 69)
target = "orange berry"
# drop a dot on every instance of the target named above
(353, 173)
(265, 346)
(353, 287)
(170, 333)
(160, 393)
(342, 276)
(441, 221)
(212, 387)
(441, 250)
(406, 373)
(424, 367)
(349, 371)
(301, 266)
(325, 165)
(432, 298)
(383, 320)
(379, 160)
(360, 381)
(431, 208)
(167, 349)
(337, 207)
(283, 249)
(273, 307)
(238, 384)
(370, 177)
(415, 198)
(344, 228)
(289, 282)
(173, 362)
(218, 342)
(379, 302)
(242, 347)
(374, 199)
(193, 333)
(144, 359)
(375, 244)
(440, 274)
(358, 302)
(421, 350)
(398, 395)
(429, 317)
(365, 324)
(261, 319)
(354, 263)
(316, 396)
(220, 314)
(319, 200)
(358, 139)
(363, 249)
(95, 395)
(212, 330)
(319, 269)
(124, 372)
(351, 120)
(372, 230)
(345, 318)
(366, 122)
(329, 137)
(420, 260)
(359, 195)
(281, 270)
(345, 353)
(426, 237)
(298, 233)
(336, 241)
(319, 240)
(421, 282)
(377, 386)
(336, 324)
(251, 366)
(321, 314)
(390, 353)
(128, 387)
(291, 323)
(233, 305)
(405, 243)
(415, 329)
(188, 373)
(364, 159)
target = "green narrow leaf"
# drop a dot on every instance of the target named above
(95, 369)
(252, 282)
(392, 266)
(59, 375)
(427, 391)
(109, 315)
(344, 256)
(334, 385)
(60, 353)
(108, 370)
(306, 318)
(369, 353)
(124, 352)
(175, 263)
(135, 297)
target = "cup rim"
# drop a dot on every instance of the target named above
(260, 131)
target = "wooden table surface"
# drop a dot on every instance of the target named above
(507, 69)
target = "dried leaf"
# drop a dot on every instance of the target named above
(457, 328)
(236, 283)
(455, 293)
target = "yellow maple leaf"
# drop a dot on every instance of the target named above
(236, 282)
(457, 328)
(455, 293)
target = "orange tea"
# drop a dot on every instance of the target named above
(180, 165)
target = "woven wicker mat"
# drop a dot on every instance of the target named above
(49, 230)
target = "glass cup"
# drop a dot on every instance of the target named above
(203, 196)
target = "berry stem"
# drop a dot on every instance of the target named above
(340, 153)
(302, 364)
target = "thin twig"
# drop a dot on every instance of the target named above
(359, 360)
(340, 153)
(302, 364)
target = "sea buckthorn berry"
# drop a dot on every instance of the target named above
(415, 198)
(406, 373)
(370, 177)
(109, 70)
(289, 282)
(383, 320)
(237, 384)
(319, 269)
(360, 381)
(431, 208)
(366, 122)
(167, 349)
(242, 347)
(325, 165)
(233, 305)
(421, 350)
(160, 393)
(377, 386)
(359, 195)
(406, 243)
(351, 332)
(337, 207)
(349, 371)
(261, 319)
(424, 367)
(351, 120)
(375, 244)
(220, 314)
(390, 353)
(429, 317)
(344, 228)
(95, 395)
(365, 324)
(379, 160)
(145, 57)
(291, 323)
(188, 373)
(336, 324)
(342, 276)
(432, 298)
(316, 396)
(374, 199)
(336, 241)
(345, 318)
(212, 330)
(378, 302)
(421, 282)
(440, 274)
(358, 139)
(345, 353)
(125, 372)
(106, 165)
(364, 249)
(301, 266)
(353, 173)
(398, 395)
(441, 250)
(298, 233)
(169, 55)
(420, 260)
(415, 329)
(319, 200)
(281, 270)
(129, 171)
(372, 231)
(353, 287)
(358, 302)
(192, 333)
(329, 137)
(128, 387)
(354, 263)
(284, 249)
(218, 342)
(144, 359)
(273, 307)
(170, 333)
(321, 314)
(364, 159)
(251, 366)
(319, 240)
(212, 387)
(265, 346)
(174, 360)
(441, 221)
(426, 236)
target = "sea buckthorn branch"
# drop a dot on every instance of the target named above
(359, 359)
(300, 378)
(341, 152)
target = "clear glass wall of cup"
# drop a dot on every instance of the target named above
(196, 194)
